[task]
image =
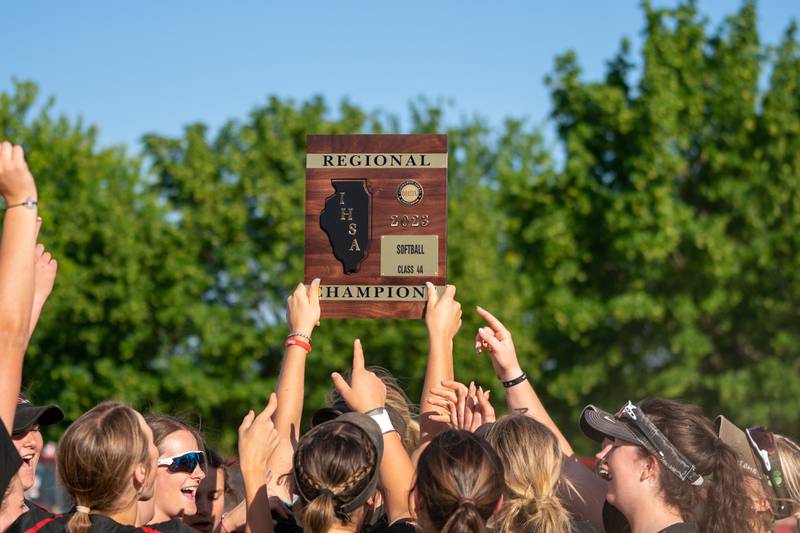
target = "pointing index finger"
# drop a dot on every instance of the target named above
(269, 410)
(358, 356)
(495, 324)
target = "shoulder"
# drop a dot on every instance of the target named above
(170, 526)
(613, 520)
(684, 527)
(38, 521)
(583, 526)
(404, 525)
(285, 525)
(37, 508)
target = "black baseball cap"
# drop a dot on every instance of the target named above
(28, 414)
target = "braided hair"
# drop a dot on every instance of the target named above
(333, 464)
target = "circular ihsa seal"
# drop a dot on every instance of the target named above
(409, 192)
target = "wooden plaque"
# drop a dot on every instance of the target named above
(376, 222)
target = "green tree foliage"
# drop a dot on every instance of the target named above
(657, 257)
(664, 257)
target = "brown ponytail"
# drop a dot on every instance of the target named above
(459, 483)
(319, 514)
(727, 505)
(165, 425)
(96, 458)
(466, 518)
(79, 523)
(334, 464)
(530, 503)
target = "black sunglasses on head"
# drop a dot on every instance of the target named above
(763, 444)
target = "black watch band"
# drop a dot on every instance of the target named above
(515, 381)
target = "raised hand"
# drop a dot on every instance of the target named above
(44, 277)
(16, 181)
(465, 407)
(497, 340)
(365, 391)
(302, 308)
(442, 313)
(484, 406)
(258, 438)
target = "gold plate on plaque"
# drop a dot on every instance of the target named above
(377, 293)
(409, 255)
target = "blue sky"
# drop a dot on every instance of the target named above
(154, 66)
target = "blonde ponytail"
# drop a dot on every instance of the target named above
(531, 479)
(79, 522)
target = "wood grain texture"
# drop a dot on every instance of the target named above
(382, 185)
(329, 144)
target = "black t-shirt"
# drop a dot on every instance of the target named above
(172, 526)
(286, 525)
(57, 523)
(35, 514)
(614, 521)
(10, 461)
(682, 527)
(583, 526)
(404, 525)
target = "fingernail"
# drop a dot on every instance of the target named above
(429, 284)
(315, 281)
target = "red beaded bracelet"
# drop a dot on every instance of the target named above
(297, 342)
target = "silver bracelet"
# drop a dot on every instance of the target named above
(29, 203)
(295, 334)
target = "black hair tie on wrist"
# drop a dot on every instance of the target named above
(515, 381)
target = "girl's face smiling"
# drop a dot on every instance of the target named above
(175, 491)
(210, 502)
(625, 465)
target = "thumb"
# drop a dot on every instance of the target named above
(433, 296)
(247, 421)
(313, 291)
(488, 335)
